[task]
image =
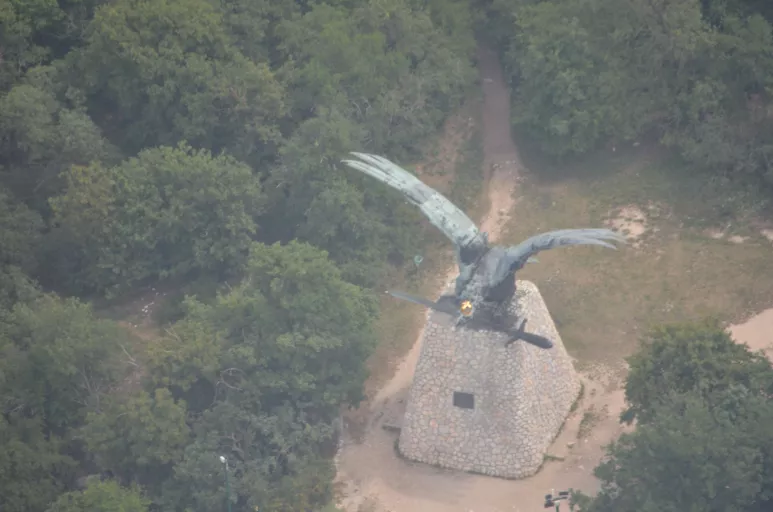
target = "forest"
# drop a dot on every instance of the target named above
(695, 75)
(195, 144)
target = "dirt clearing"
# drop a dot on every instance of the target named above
(757, 332)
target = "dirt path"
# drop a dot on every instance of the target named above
(757, 332)
(370, 474)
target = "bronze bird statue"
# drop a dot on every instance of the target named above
(486, 281)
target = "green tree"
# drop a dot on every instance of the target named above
(695, 454)
(273, 462)
(166, 71)
(223, 113)
(168, 212)
(587, 71)
(286, 348)
(457, 20)
(19, 52)
(188, 355)
(385, 64)
(700, 357)
(560, 73)
(20, 234)
(58, 361)
(722, 125)
(253, 24)
(33, 470)
(338, 218)
(292, 331)
(106, 496)
(40, 138)
(16, 287)
(360, 224)
(20, 230)
(138, 437)
(34, 31)
(696, 74)
(701, 443)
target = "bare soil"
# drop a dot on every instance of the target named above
(756, 332)
(631, 221)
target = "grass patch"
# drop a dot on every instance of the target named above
(589, 420)
(577, 400)
(369, 505)
(467, 186)
(602, 300)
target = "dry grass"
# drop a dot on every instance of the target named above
(602, 300)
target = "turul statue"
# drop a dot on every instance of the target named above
(485, 285)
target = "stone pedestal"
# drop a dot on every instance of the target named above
(477, 406)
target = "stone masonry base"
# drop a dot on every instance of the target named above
(520, 395)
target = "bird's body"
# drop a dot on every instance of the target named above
(480, 284)
(485, 285)
(485, 298)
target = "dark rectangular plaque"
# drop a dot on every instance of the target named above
(464, 400)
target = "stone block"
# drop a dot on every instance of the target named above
(521, 395)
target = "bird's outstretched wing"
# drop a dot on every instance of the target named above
(441, 212)
(516, 256)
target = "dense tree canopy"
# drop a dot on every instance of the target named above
(167, 212)
(195, 144)
(702, 442)
(695, 455)
(276, 355)
(57, 363)
(682, 358)
(103, 496)
(40, 137)
(168, 71)
(696, 73)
